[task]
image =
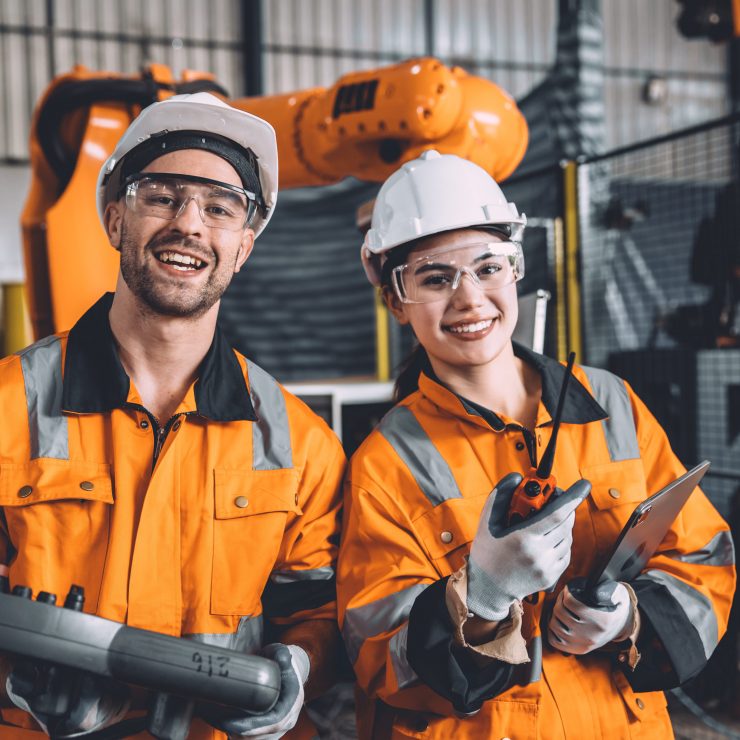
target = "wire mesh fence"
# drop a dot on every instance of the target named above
(660, 247)
(660, 281)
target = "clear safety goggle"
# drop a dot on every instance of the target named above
(164, 195)
(435, 277)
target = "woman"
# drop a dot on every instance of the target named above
(442, 601)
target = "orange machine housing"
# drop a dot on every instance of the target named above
(366, 125)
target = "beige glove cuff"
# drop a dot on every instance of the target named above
(508, 645)
(629, 654)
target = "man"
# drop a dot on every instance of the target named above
(152, 464)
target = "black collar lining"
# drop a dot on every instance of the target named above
(580, 406)
(95, 381)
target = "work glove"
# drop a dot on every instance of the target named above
(294, 669)
(585, 620)
(66, 702)
(508, 563)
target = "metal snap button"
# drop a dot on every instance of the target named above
(176, 426)
(520, 446)
(144, 424)
(446, 537)
(25, 492)
(86, 485)
(241, 501)
(615, 492)
(640, 703)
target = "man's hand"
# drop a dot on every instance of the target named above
(508, 563)
(583, 621)
(66, 702)
(294, 669)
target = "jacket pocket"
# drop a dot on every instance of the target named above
(616, 489)
(58, 519)
(447, 530)
(646, 712)
(54, 480)
(250, 513)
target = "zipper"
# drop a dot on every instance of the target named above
(160, 432)
(159, 436)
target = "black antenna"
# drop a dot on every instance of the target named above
(545, 467)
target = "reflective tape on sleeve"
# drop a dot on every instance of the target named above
(405, 674)
(293, 576)
(383, 615)
(271, 449)
(424, 461)
(246, 639)
(719, 551)
(41, 364)
(619, 429)
(696, 606)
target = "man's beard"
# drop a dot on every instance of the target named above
(152, 292)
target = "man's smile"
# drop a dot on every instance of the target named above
(181, 261)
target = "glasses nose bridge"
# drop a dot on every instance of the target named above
(185, 202)
(464, 270)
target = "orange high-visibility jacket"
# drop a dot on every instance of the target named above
(413, 497)
(221, 520)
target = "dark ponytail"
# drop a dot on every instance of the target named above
(417, 360)
(412, 367)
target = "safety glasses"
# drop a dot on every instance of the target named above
(434, 277)
(164, 195)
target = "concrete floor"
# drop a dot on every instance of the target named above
(687, 727)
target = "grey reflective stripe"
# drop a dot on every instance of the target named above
(246, 639)
(535, 659)
(696, 606)
(412, 444)
(383, 615)
(292, 576)
(41, 364)
(619, 429)
(271, 432)
(719, 551)
(405, 674)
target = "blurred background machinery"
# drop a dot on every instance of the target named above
(630, 181)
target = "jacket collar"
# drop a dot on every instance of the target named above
(580, 407)
(95, 381)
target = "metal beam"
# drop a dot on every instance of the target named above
(252, 45)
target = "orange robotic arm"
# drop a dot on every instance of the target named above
(365, 126)
(370, 122)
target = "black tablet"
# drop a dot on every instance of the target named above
(646, 528)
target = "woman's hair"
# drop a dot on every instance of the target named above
(411, 368)
(417, 360)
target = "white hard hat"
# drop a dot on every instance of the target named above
(198, 121)
(429, 195)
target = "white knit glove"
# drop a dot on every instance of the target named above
(508, 563)
(583, 621)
